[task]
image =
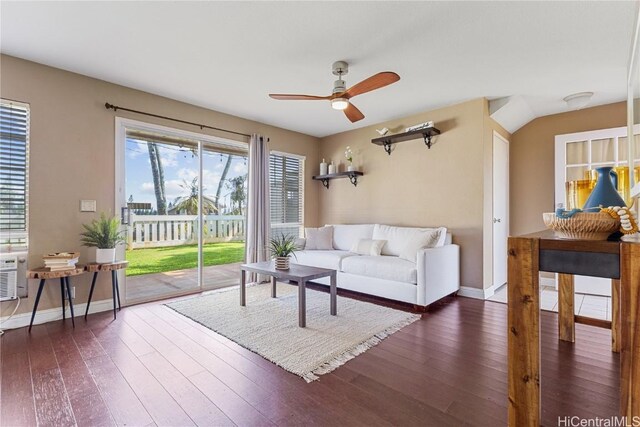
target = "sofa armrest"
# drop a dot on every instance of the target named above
(438, 273)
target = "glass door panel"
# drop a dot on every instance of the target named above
(161, 182)
(224, 196)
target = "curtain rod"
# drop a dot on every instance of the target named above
(201, 126)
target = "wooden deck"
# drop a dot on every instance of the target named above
(152, 366)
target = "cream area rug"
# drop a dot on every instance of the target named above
(269, 326)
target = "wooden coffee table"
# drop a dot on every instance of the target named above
(297, 273)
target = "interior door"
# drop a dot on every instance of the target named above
(500, 209)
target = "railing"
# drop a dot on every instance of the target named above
(154, 231)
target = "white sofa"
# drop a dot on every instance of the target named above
(434, 275)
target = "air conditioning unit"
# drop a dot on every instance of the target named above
(8, 277)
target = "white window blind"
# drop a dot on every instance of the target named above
(286, 179)
(14, 162)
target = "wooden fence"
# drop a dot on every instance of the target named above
(155, 231)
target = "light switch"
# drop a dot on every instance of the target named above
(87, 205)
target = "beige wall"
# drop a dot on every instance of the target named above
(532, 160)
(415, 186)
(73, 149)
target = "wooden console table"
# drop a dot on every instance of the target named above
(530, 254)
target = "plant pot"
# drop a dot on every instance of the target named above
(105, 256)
(351, 168)
(282, 263)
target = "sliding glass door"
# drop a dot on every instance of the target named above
(185, 200)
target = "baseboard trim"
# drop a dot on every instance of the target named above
(52, 314)
(477, 293)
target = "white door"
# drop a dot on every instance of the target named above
(500, 209)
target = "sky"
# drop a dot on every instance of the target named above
(179, 165)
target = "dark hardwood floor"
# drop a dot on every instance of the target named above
(153, 367)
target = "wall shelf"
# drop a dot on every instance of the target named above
(352, 175)
(388, 140)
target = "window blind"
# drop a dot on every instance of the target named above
(14, 161)
(286, 179)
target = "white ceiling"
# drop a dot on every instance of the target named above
(228, 56)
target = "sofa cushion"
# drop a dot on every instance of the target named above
(323, 259)
(368, 247)
(427, 239)
(398, 237)
(319, 238)
(345, 236)
(381, 267)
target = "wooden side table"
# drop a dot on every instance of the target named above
(530, 254)
(113, 267)
(44, 274)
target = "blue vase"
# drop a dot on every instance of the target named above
(604, 193)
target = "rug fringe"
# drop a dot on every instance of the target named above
(357, 350)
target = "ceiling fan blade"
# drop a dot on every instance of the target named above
(353, 113)
(372, 83)
(290, 97)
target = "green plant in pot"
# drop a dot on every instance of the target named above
(103, 234)
(282, 247)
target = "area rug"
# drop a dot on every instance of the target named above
(269, 326)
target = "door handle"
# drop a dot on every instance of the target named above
(496, 220)
(125, 215)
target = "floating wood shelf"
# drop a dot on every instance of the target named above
(388, 140)
(352, 175)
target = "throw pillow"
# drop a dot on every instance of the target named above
(319, 238)
(368, 247)
(426, 239)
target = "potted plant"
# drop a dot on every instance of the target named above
(348, 154)
(103, 234)
(282, 247)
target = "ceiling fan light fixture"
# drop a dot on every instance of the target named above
(339, 103)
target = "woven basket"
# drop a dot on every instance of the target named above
(582, 226)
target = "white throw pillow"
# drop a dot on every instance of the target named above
(425, 239)
(319, 238)
(368, 247)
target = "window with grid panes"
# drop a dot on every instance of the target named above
(286, 179)
(14, 165)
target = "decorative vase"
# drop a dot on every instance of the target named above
(604, 193)
(105, 256)
(332, 168)
(350, 168)
(323, 168)
(282, 262)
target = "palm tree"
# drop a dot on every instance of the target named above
(238, 193)
(223, 177)
(189, 203)
(158, 177)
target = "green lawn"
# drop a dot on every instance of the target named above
(158, 260)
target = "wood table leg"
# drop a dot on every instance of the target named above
(243, 291)
(62, 298)
(273, 286)
(615, 316)
(630, 330)
(66, 281)
(35, 305)
(113, 291)
(334, 295)
(566, 308)
(524, 332)
(93, 285)
(302, 303)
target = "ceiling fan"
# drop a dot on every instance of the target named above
(341, 96)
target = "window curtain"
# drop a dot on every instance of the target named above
(258, 207)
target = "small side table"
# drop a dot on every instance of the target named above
(113, 267)
(44, 274)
